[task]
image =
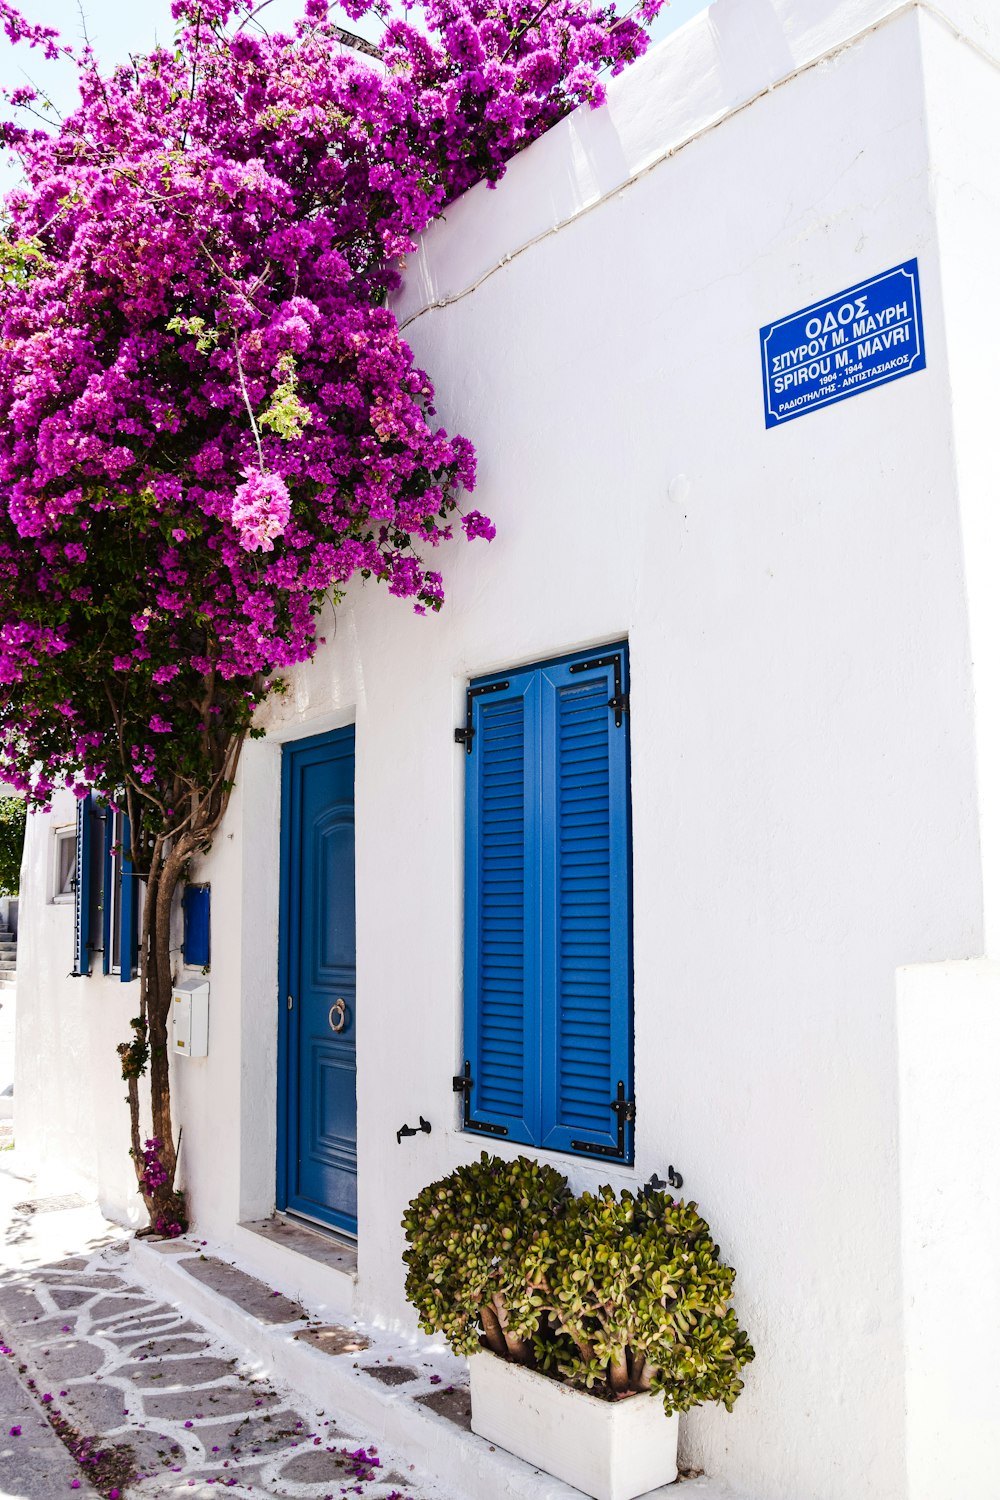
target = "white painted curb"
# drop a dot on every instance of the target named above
(467, 1465)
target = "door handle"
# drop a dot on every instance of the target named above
(338, 1009)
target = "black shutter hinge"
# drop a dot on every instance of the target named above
(621, 705)
(620, 701)
(625, 1110)
(462, 1084)
(466, 733)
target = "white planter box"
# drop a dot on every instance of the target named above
(611, 1450)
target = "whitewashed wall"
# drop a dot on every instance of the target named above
(70, 1117)
(804, 727)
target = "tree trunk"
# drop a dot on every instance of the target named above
(492, 1332)
(156, 1162)
(518, 1349)
(618, 1372)
(199, 815)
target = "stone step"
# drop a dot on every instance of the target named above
(416, 1399)
(7, 984)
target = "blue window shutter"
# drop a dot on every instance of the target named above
(107, 904)
(586, 1046)
(197, 926)
(81, 889)
(129, 910)
(502, 909)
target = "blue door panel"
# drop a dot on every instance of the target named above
(317, 1174)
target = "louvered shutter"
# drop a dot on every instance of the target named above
(81, 888)
(586, 919)
(129, 906)
(108, 872)
(502, 909)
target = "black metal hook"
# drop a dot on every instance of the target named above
(424, 1126)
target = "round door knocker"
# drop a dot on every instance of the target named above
(339, 1011)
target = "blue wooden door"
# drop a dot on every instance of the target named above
(317, 1134)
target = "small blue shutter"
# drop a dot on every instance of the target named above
(197, 926)
(502, 909)
(586, 1044)
(81, 887)
(129, 907)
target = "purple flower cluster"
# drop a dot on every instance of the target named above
(153, 1178)
(209, 421)
(154, 1174)
(261, 509)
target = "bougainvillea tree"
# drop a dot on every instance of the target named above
(209, 422)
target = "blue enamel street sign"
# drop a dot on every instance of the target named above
(867, 335)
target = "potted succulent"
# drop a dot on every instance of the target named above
(594, 1320)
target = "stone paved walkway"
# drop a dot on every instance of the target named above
(129, 1368)
(33, 1461)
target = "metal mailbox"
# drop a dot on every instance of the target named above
(190, 1018)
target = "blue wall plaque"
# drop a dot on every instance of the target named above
(865, 336)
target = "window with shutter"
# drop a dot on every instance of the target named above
(82, 911)
(120, 914)
(105, 894)
(548, 1013)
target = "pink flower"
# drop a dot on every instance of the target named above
(261, 508)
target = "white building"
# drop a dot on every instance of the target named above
(811, 618)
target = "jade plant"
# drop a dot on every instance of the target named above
(469, 1235)
(614, 1294)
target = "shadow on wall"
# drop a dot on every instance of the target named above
(750, 47)
(743, 47)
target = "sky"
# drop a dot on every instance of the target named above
(118, 27)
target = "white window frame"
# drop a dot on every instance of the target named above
(61, 836)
